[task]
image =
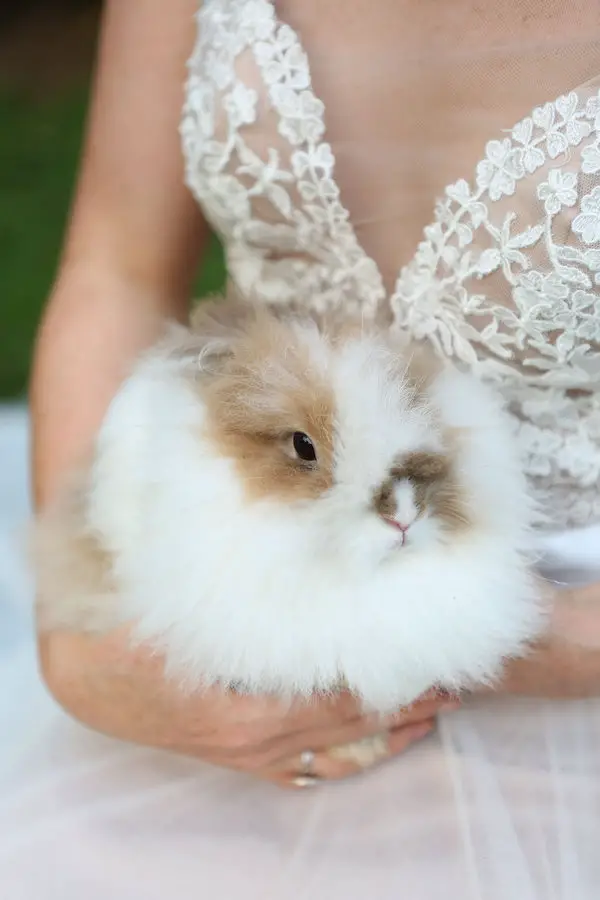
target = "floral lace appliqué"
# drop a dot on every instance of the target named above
(301, 243)
(516, 297)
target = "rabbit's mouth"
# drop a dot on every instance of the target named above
(401, 527)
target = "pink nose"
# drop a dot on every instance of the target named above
(401, 526)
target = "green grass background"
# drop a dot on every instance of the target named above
(39, 148)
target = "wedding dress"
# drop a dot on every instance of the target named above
(317, 137)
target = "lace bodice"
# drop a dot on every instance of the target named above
(506, 278)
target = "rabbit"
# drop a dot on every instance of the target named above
(288, 504)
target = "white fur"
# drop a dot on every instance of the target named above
(290, 598)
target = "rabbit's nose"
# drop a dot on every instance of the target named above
(403, 527)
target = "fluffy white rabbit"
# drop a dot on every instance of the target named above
(284, 505)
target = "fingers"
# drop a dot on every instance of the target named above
(343, 761)
(349, 731)
(271, 740)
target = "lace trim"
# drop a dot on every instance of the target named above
(430, 294)
(227, 176)
(546, 343)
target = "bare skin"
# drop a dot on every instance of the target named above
(134, 243)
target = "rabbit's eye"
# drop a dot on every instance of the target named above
(304, 447)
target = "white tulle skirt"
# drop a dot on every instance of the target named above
(503, 803)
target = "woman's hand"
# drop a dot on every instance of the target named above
(125, 694)
(303, 743)
(566, 662)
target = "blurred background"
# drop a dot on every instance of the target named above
(47, 50)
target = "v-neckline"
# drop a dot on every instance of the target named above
(370, 264)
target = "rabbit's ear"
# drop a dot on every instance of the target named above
(219, 327)
(216, 328)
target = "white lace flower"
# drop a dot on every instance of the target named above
(489, 260)
(301, 115)
(501, 169)
(552, 286)
(434, 234)
(590, 159)
(576, 126)
(257, 18)
(316, 159)
(587, 223)
(463, 233)
(533, 289)
(592, 260)
(560, 190)
(240, 106)
(592, 110)
(589, 329)
(289, 66)
(285, 100)
(324, 188)
(219, 61)
(460, 192)
(533, 157)
(556, 143)
(544, 117)
(425, 257)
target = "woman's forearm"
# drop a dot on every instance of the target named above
(96, 323)
(135, 234)
(134, 242)
(566, 662)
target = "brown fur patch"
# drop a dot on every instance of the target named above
(74, 585)
(421, 467)
(258, 396)
(436, 488)
(384, 502)
(261, 396)
(447, 502)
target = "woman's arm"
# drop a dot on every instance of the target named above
(567, 662)
(134, 242)
(135, 237)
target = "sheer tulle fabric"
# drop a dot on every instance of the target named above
(504, 801)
